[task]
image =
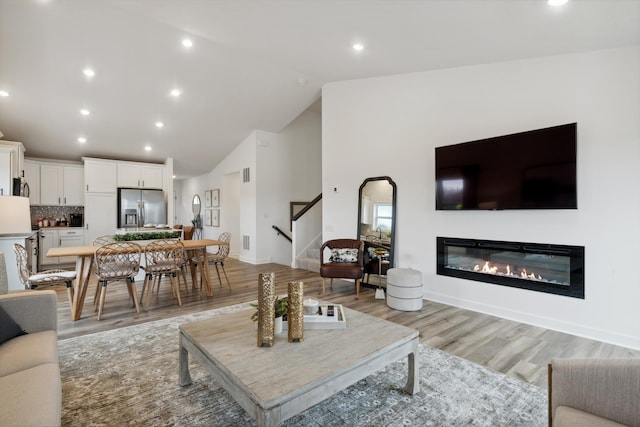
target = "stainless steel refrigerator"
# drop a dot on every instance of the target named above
(137, 208)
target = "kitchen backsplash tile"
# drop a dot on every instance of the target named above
(53, 212)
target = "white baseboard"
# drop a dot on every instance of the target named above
(610, 337)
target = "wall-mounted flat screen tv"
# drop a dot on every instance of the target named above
(528, 170)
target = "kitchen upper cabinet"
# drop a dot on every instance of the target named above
(100, 176)
(140, 175)
(32, 177)
(11, 164)
(61, 185)
(6, 180)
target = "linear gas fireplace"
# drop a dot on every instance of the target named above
(555, 269)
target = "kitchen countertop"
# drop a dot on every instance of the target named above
(144, 230)
(56, 226)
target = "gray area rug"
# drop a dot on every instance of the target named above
(129, 376)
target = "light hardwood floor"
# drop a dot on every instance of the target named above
(516, 349)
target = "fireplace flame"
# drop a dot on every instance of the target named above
(493, 269)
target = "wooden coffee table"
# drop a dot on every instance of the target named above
(276, 383)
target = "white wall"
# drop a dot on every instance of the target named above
(237, 210)
(391, 125)
(289, 169)
(283, 166)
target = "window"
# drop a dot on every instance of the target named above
(383, 213)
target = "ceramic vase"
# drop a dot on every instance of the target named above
(277, 325)
(295, 312)
(266, 309)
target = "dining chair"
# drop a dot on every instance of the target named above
(162, 258)
(345, 261)
(99, 241)
(103, 240)
(182, 264)
(188, 231)
(217, 258)
(220, 256)
(31, 280)
(192, 256)
(118, 261)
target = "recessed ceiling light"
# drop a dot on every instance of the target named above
(175, 93)
(358, 47)
(82, 140)
(187, 43)
(159, 124)
(556, 2)
(147, 148)
(4, 93)
(85, 112)
(89, 72)
(173, 176)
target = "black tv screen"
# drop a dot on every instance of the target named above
(527, 170)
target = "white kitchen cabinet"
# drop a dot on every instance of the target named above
(100, 176)
(32, 177)
(61, 185)
(11, 164)
(6, 180)
(140, 175)
(70, 237)
(57, 237)
(48, 240)
(100, 215)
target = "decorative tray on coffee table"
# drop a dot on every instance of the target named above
(322, 320)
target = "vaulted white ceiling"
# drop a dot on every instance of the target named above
(253, 64)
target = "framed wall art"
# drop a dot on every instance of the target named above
(207, 199)
(215, 198)
(207, 217)
(215, 217)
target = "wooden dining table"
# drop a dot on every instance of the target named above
(85, 259)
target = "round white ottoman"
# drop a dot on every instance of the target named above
(404, 289)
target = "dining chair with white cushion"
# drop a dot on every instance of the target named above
(40, 279)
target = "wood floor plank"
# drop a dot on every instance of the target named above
(515, 349)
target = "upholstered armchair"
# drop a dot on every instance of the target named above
(594, 392)
(344, 261)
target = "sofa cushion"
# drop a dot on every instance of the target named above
(9, 328)
(32, 397)
(569, 417)
(27, 351)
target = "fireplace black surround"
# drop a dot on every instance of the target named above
(555, 269)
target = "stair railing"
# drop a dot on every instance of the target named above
(281, 233)
(305, 227)
(306, 208)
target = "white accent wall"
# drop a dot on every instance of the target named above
(283, 166)
(391, 125)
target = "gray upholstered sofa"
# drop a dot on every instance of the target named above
(594, 392)
(30, 387)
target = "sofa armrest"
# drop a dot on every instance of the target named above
(608, 388)
(34, 311)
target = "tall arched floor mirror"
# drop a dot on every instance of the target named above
(196, 207)
(377, 227)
